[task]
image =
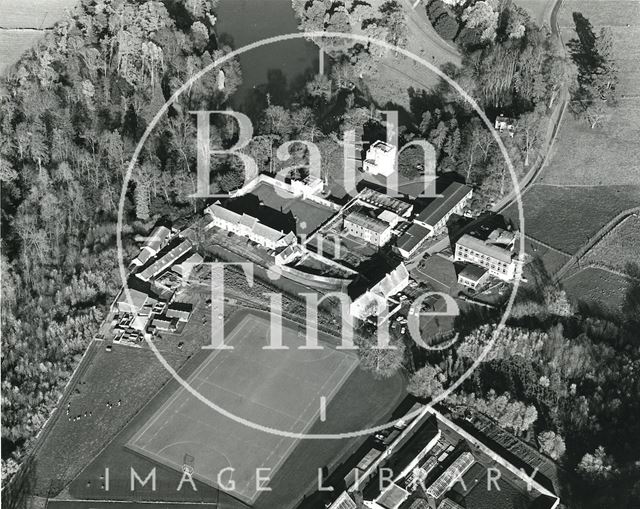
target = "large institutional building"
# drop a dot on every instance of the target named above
(496, 254)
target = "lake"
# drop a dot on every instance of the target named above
(275, 67)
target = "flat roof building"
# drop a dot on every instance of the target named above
(371, 229)
(383, 201)
(380, 159)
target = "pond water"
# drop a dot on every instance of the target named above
(276, 68)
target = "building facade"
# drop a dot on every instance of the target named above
(370, 229)
(500, 261)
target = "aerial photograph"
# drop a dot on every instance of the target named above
(320, 254)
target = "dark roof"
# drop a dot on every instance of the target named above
(473, 272)
(410, 239)
(439, 207)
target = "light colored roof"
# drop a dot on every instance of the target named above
(449, 477)
(388, 285)
(157, 238)
(166, 260)
(504, 255)
(441, 206)
(138, 298)
(370, 223)
(392, 497)
(388, 217)
(251, 222)
(222, 213)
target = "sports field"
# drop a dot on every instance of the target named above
(279, 389)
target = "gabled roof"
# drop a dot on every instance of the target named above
(439, 207)
(387, 286)
(166, 260)
(157, 237)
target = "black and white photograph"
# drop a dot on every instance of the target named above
(320, 254)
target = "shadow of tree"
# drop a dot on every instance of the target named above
(583, 48)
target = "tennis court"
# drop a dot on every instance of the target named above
(280, 389)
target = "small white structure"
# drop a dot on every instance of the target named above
(380, 159)
(309, 186)
(289, 254)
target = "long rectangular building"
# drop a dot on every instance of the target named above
(250, 227)
(499, 259)
(455, 197)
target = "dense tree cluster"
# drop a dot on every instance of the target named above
(71, 113)
(580, 374)
(597, 71)
(386, 22)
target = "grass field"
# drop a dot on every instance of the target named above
(597, 286)
(619, 247)
(20, 14)
(362, 402)
(276, 389)
(566, 217)
(607, 155)
(539, 10)
(125, 374)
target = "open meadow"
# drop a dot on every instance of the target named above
(22, 24)
(567, 217)
(619, 247)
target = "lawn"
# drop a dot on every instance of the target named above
(608, 154)
(277, 389)
(619, 247)
(566, 217)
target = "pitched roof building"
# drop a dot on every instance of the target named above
(250, 227)
(455, 197)
(374, 301)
